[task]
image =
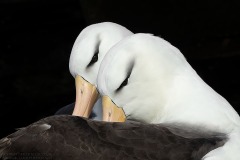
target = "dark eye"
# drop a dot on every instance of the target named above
(124, 83)
(94, 59)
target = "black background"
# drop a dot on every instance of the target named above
(37, 37)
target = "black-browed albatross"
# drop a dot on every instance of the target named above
(151, 81)
(87, 53)
(71, 137)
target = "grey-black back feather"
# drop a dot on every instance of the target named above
(70, 137)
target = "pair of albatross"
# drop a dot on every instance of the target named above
(150, 81)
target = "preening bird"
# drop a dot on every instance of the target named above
(140, 79)
(145, 78)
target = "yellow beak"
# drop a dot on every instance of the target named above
(111, 112)
(86, 96)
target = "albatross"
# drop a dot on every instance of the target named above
(87, 53)
(73, 137)
(145, 78)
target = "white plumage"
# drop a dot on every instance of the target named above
(163, 88)
(94, 39)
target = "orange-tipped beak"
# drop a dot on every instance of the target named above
(111, 112)
(86, 96)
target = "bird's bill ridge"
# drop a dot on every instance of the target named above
(86, 96)
(111, 112)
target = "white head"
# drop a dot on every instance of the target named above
(137, 72)
(149, 79)
(87, 53)
(91, 46)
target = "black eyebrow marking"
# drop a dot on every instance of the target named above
(95, 55)
(125, 82)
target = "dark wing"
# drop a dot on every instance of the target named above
(151, 141)
(69, 137)
(59, 137)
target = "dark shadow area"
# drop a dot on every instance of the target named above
(37, 37)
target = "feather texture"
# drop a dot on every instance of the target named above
(69, 137)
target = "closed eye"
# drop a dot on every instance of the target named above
(94, 58)
(124, 83)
